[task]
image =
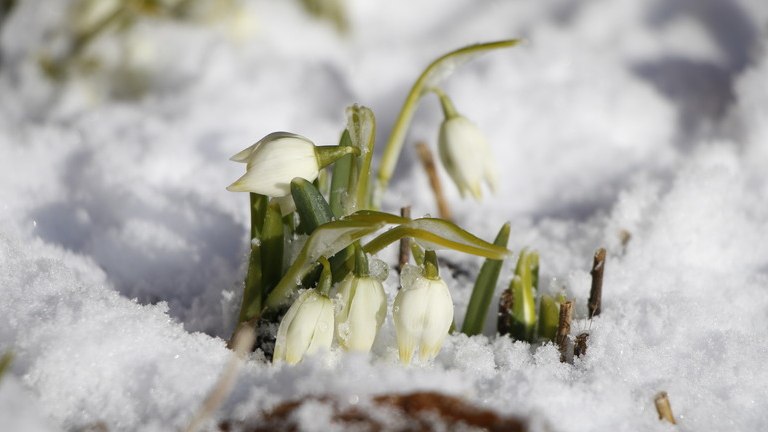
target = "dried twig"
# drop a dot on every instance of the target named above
(405, 242)
(564, 328)
(428, 161)
(244, 339)
(596, 292)
(664, 408)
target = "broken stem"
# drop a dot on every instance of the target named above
(596, 292)
(564, 328)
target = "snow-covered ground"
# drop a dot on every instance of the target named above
(122, 255)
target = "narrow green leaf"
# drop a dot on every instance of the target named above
(549, 316)
(373, 216)
(523, 320)
(326, 240)
(272, 248)
(485, 285)
(436, 234)
(342, 174)
(310, 204)
(362, 129)
(252, 293)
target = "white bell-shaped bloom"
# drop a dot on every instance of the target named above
(361, 312)
(306, 328)
(273, 162)
(423, 312)
(465, 154)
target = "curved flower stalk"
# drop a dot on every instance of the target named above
(431, 77)
(464, 152)
(308, 325)
(423, 311)
(280, 157)
(363, 306)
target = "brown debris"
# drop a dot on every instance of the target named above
(420, 411)
(580, 347)
(504, 322)
(664, 408)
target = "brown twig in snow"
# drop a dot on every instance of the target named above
(596, 292)
(564, 328)
(504, 323)
(428, 161)
(405, 242)
(664, 408)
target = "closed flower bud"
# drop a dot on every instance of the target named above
(362, 312)
(465, 153)
(280, 157)
(306, 328)
(423, 313)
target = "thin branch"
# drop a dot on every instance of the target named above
(428, 161)
(244, 339)
(405, 242)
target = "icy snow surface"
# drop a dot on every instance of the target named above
(122, 256)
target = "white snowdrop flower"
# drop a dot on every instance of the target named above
(466, 156)
(423, 312)
(280, 157)
(361, 313)
(306, 328)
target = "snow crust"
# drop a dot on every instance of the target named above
(122, 255)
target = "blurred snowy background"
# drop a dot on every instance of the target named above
(122, 256)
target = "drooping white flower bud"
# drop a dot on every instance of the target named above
(464, 151)
(362, 312)
(423, 312)
(306, 328)
(280, 157)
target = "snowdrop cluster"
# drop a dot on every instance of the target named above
(330, 216)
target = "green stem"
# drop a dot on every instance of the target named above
(397, 137)
(449, 110)
(326, 279)
(361, 262)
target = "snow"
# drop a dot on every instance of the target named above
(122, 254)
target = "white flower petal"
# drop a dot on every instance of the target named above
(465, 154)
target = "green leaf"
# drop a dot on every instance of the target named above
(523, 319)
(361, 125)
(485, 285)
(342, 176)
(437, 234)
(549, 316)
(312, 208)
(373, 216)
(258, 211)
(326, 240)
(272, 248)
(252, 293)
